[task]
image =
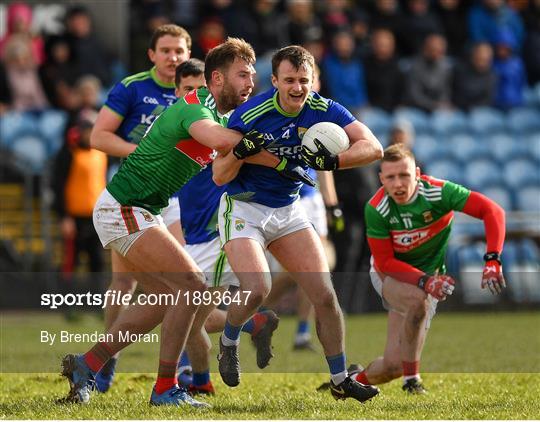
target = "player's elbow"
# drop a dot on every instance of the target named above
(223, 146)
(378, 152)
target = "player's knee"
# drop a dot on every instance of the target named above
(418, 311)
(195, 282)
(325, 301)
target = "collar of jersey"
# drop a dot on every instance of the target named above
(279, 109)
(156, 80)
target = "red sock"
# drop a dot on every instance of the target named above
(411, 369)
(259, 319)
(362, 378)
(166, 378)
(98, 356)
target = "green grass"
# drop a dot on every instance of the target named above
(476, 366)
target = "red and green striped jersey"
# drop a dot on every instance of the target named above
(420, 229)
(167, 156)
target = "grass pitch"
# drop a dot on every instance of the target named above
(476, 366)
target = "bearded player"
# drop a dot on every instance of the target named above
(408, 224)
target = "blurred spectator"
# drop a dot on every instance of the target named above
(453, 18)
(211, 33)
(58, 74)
(185, 13)
(88, 53)
(344, 74)
(417, 23)
(386, 14)
(19, 21)
(531, 48)
(402, 132)
(489, 17)
(88, 91)
(360, 31)
(474, 79)
(335, 16)
(429, 79)
(303, 24)
(510, 71)
(384, 79)
(22, 76)
(262, 25)
(78, 179)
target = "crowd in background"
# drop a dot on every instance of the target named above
(430, 54)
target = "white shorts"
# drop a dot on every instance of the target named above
(316, 212)
(212, 261)
(171, 213)
(239, 219)
(377, 283)
(117, 226)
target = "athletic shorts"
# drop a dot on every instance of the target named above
(171, 213)
(239, 219)
(316, 212)
(377, 283)
(117, 226)
(212, 261)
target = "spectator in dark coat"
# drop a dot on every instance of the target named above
(429, 79)
(474, 79)
(453, 17)
(417, 23)
(384, 78)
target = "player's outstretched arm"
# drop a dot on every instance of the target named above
(481, 207)
(364, 147)
(104, 138)
(214, 136)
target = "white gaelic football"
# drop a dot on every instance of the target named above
(332, 136)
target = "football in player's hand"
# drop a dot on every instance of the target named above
(332, 136)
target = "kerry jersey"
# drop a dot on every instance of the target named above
(282, 136)
(167, 157)
(138, 100)
(420, 229)
(199, 206)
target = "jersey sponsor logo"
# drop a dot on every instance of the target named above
(406, 240)
(288, 151)
(428, 217)
(150, 100)
(148, 119)
(239, 224)
(196, 151)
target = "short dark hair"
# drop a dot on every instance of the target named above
(191, 67)
(296, 55)
(222, 56)
(169, 29)
(397, 152)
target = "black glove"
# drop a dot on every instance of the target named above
(294, 172)
(251, 144)
(322, 159)
(335, 218)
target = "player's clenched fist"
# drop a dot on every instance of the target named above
(251, 144)
(322, 159)
(438, 286)
(492, 276)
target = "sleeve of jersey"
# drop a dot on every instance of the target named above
(340, 115)
(483, 208)
(192, 113)
(119, 100)
(378, 237)
(236, 123)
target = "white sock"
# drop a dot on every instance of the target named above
(226, 341)
(339, 378)
(410, 377)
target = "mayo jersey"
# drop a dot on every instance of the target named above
(282, 136)
(138, 100)
(420, 229)
(167, 156)
(199, 206)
